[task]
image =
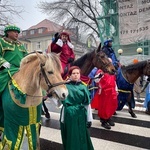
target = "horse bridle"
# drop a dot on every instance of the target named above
(47, 80)
(103, 64)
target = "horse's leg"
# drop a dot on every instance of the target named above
(33, 136)
(130, 107)
(47, 115)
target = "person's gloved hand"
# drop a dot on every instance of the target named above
(6, 64)
(88, 124)
(70, 60)
(56, 37)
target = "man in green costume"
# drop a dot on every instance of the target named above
(75, 114)
(11, 53)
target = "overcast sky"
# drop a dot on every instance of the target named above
(32, 14)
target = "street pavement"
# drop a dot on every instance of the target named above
(127, 134)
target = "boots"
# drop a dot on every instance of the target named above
(111, 123)
(105, 124)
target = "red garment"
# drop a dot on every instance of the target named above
(65, 53)
(85, 79)
(106, 102)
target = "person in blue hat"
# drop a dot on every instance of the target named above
(108, 50)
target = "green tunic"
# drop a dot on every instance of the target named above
(12, 52)
(74, 132)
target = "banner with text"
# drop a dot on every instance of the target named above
(134, 21)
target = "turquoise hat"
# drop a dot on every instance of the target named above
(11, 28)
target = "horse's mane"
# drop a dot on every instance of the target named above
(130, 68)
(33, 56)
(79, 62)
(56, 60)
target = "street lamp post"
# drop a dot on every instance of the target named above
(120, 51)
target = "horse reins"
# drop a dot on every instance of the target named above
(104, 66)
(47, 82)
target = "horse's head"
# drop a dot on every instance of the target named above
(101, 61)
(146, 69)
(50, 76)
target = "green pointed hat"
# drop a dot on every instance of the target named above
(11, 28)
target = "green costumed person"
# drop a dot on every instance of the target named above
(11, 53)
(76, 115)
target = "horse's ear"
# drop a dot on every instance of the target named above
(99, 48)
(41, 57)
(49, 49)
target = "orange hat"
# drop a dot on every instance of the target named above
(135, 61)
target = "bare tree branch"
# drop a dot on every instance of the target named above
(8, 10)
(81, 13)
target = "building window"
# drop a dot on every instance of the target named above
(145, 46)
(40, 30)
(38, 45)
(24, 33)
(32, 32)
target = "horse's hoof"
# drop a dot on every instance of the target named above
(133, 114)
(147, 112)
(47, 115)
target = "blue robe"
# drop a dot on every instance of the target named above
(147, 98)
(124, 89)
(93, 86)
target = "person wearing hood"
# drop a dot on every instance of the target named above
(63, 45)
(76, 115)
(108, 50)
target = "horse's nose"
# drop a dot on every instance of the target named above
(113, 71)
(63, 95)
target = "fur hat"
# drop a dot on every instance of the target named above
(11, 28)
(65, 33)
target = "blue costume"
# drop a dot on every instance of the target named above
(107, 49)
(93, 87)
(124, 88)
(147, 96)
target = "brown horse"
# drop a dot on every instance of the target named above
(87, 62)
(23, 96)
(127, 75)
(96, 58)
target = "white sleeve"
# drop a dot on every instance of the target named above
(89, 113)
(59, 42)
(62, 115)
(6, 64)
(70, 45)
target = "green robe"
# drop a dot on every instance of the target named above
(12, 52)
(74, 132)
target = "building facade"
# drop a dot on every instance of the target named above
(39, 36)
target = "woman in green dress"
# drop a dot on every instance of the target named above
(76, 114)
